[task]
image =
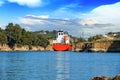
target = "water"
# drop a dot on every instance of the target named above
(57, 65)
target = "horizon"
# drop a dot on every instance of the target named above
(91, 17)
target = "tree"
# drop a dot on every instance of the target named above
(16, 35)
(13, 34)
(94, 38)
(81, 39)
(43, 41)
(3, 37)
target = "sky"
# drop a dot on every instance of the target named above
(78, 17)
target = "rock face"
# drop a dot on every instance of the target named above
(27, 48)
(101, 46)
(107, 46)
(21, 48)
(80, 46)
(116, 77)
(101, 78)
(5, 47)
(37, 48)
(106, 78)
(49, 47)
(104, 46)
(16, 47)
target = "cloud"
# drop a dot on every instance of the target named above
(29, 3)
(103, 19)
(43, 23)
(100, 20)
(74, 26)
(33, 20)
(66, 11)
(106, 13)
(2, 25)
(88, 22)
(41, 16)
(1, 3)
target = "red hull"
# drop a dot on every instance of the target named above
(62, 47)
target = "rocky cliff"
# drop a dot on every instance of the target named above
(5, 47)
(16, 47)
(99, 46)
(117, 77)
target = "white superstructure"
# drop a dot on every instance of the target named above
(62, 38)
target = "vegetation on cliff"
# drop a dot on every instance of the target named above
(14, 34)
(111, 36)
(3, 37)
(116, 35)
(47, 34)
(94, 38)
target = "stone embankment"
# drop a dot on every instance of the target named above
(101, 46)
(106, 78)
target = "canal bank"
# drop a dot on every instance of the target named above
(98, 46)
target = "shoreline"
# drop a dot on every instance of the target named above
(62, 51)
(105, 46)
(98, 46)
(117, 77)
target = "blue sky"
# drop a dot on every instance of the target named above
(75, 16)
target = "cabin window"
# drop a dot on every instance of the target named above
(59, 33)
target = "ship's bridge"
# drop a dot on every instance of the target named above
(60, 36)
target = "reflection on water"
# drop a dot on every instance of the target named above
(62, 66)
(57, 65)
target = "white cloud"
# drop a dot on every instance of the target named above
(103, 19)
(29, 3)
(65, 11)
(41, 16)
(1, 2)
(43, 23)
(88, 22)
(100, 20)
(33, 20)
(2, 25)
(106, 13)
(44, 19)
(30, 21)
(73, 26)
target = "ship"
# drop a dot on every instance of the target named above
(62, 42)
